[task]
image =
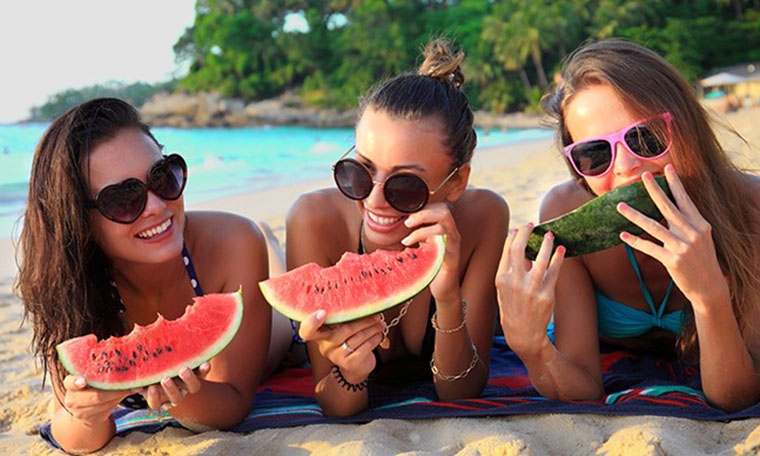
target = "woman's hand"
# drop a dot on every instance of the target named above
(525, 291)
(436, 219)
(89, 405)
(346, 345)
(687, 249)
(170, 392)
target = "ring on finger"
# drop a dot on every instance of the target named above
(347, 347)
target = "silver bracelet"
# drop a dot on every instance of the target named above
(463, 374)
(434, 321)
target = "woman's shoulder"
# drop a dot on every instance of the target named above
(482, 200)
(563, 198)
(216, 229)
(324, 205)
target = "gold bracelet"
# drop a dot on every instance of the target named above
(434, 321)
(463, 374)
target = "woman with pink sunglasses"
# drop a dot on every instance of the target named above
(690, 285)
(404, 181)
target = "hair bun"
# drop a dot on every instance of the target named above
(441, 62)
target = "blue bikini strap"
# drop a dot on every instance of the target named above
(647, 296)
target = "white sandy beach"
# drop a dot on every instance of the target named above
(522, 174)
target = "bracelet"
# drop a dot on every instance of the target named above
(434, 321)
(345, 384)
(463, 374)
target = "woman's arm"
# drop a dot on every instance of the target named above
(686, 249)
(316, 232)
(232, 253)
(81, 420)
(530, 293)
(477, 224)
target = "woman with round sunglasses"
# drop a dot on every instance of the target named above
(688, 286)
(106, 245)
(404, 181)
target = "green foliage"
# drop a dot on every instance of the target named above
(246, 48)
(136, 94)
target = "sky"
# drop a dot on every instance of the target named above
(48, 46)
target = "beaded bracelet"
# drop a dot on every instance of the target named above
(345, 384)
(434, 321)
(463, 374)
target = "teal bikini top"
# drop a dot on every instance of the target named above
(616, 320)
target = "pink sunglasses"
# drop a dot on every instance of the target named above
(593, 157)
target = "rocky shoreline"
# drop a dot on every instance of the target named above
(181, 110)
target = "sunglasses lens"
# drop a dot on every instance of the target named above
(123, 202)
(644, 140)
(592, 158)
(352, 179)
(167, 177)
(406, 192)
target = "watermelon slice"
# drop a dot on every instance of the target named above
(357, 285)
(597, 224)
(161, 349)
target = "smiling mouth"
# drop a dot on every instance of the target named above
(155, 231)
(383, 220)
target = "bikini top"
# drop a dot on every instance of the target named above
(617, 320)
(137, 401)
(404, 370)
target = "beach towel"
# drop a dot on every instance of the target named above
(635, 384)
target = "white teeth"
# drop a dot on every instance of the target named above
(383, 220)
(147, 234)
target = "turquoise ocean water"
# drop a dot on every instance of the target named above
(221, 162)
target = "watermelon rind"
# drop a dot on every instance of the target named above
(596, 225)
(356, 311)
(215, 346)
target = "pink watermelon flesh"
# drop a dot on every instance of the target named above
(161, 349)
(356, 286)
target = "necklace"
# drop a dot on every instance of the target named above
(385, 343)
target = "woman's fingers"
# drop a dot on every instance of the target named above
(309, 328)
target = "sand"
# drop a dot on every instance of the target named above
(522, 174)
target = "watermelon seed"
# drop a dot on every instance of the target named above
(364, 274)
(105, 355)
(390, 268)
(118, 353)
(413, 256)
(140, 347)
(159, 350)
(168, 348)
(132, 363)
(134, 355)
(93, 356)
(400, 259)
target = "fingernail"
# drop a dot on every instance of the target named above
(408, 222)
(79, 381)
(530, 224)
(205, 366)
(320, 315)
(624, 235)
(165, 380)
(561, 250)
(405, 241)
(622, 207)
(549, 234)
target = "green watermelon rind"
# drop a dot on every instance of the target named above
(354, 313)
(596, 225)
(212, 350)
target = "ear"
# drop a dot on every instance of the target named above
(458, 183)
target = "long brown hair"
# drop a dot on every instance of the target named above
(649, 85)
(64, 279)
(434, 91)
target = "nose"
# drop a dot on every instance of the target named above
(376, 197)
(626, 162)
(154, 205)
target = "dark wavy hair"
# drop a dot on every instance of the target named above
(649, 85)
(434, 91)
(64, 279)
